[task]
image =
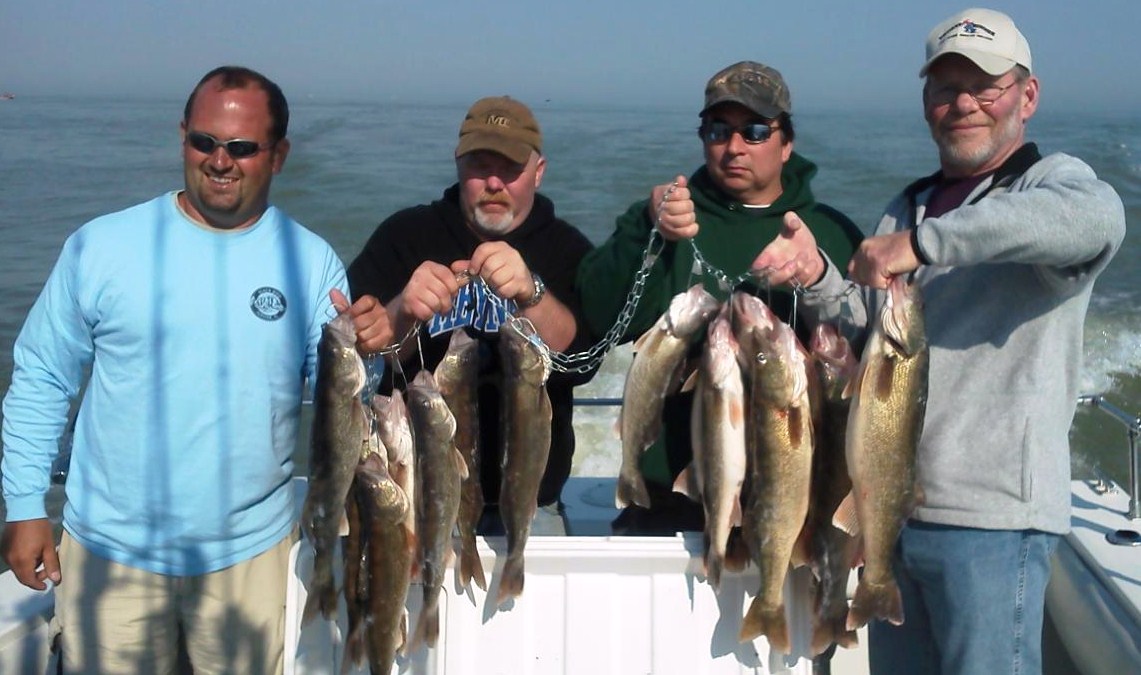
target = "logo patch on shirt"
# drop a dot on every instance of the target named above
(268, 303)
(474, 306)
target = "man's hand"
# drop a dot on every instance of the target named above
(25, 546)
(880, 258)
(370, 320)
(676, 218)
(792, 258)
(430, 290)
(502, 268)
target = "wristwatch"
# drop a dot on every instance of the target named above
(537, 296)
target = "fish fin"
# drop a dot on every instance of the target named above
(690, 382)
(470, 568)
(845, 517)
(737, 412)
(881, 601)
(801, 554)
(311, 609)
(631, 490)
(872, 601)
(685, 375)
(852, 387)
(404, 648)
(449, 556)
(831, 630)
(317, 605)
(354, 649)
(736, 516)
(736, 551)
(769, 622)
(343, 525)
(461, 463)
(686, 483)
(427, 628)
(511, 583)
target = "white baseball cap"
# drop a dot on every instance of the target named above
(988, 38)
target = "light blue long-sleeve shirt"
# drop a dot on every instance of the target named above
(198, 344)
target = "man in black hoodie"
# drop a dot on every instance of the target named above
(491, 224)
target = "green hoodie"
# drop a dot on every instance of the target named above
(731, 236)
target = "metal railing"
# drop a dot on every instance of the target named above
(1132, 424)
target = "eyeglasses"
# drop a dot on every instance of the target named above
(984, 96)
(721, 132)
(238, 148)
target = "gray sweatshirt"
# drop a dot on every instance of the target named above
(1005, 301)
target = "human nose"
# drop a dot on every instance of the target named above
(219, 158)
(965, 100)
(495, 183)
(736, 143)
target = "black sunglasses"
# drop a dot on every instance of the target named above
(238, 148)
(720, 132)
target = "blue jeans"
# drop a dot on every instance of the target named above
(973, 602)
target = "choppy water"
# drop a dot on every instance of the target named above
(64, 161)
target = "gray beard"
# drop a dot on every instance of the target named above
(967, 161)
(494, 224)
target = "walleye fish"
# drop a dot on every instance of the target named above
(719, 457)
(884, 425)
(779, 434)
(833, 550)
(526, 412)
(655, 372)
(441, 469)
(395, 430)
(458, 375)
(339, 433)
(385, 560)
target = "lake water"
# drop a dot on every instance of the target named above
(64, 161)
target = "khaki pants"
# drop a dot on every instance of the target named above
(116, 619)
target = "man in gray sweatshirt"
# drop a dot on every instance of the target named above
(1005, 245)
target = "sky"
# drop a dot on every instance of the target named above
(835, 54)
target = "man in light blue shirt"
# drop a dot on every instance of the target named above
(198, 314)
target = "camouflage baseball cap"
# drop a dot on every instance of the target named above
(754, 85)
(500, 124)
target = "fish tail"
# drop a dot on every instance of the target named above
(766, 621)
(322, 598)
(354, 649)
(829, 630)
(631, 490)
(511, 583)
(713, 565)
(428, 627)
(875, 601)
(470, 567)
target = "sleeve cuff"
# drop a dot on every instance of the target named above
(919, 254)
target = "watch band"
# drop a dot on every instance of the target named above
(537, 296)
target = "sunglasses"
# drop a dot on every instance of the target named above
(238, 148)
(721, 132)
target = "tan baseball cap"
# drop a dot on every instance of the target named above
(754, 85)
(500, 124)
(988, 38)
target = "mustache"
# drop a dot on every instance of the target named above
(487, 198)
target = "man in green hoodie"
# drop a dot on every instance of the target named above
(739, 209)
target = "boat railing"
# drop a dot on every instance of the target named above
(597, 402)
(1132, 424)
